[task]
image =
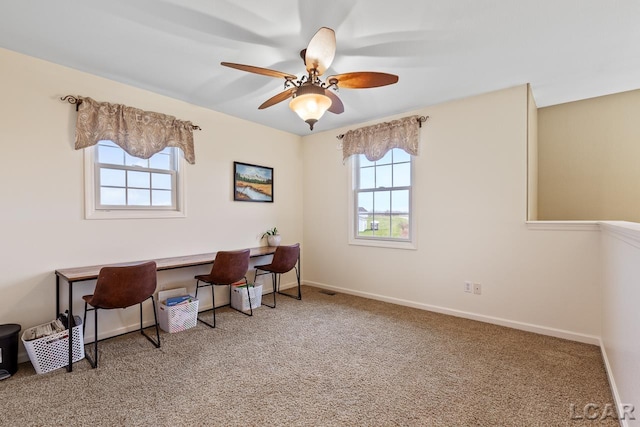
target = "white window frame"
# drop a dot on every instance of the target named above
(94, 211)
(382, 242)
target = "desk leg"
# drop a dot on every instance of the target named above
(299, 278)
(55, 316)
(70, 322)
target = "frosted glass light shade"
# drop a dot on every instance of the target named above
(310, 103)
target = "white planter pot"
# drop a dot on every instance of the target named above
(273, 240)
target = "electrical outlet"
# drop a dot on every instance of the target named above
(468, 287)
(477, 288)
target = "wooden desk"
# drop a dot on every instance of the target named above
(80, 274)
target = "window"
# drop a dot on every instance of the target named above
(119, 185)
(381, 201)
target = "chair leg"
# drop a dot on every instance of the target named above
(92, 361)
(273, 281)
(213, 304)
(84, 319)
(299, 296)
(155, 316)
(249, 295)
(95, 341)
(274, 289)
(213, 300)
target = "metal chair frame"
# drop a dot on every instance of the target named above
(275, 280)
(93, 360)
(213, 300)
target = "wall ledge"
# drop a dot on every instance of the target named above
(564, 225)
(628, 232)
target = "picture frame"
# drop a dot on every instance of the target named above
(252, 183)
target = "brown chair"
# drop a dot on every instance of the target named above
(285, 259)
(122, 287)
(228, 268)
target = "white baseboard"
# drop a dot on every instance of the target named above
(612, 384)
(542, 330)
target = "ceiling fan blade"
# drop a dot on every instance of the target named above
(277, 98)
(321, 51)
(337, 107)
(363, 79)
(259, 70)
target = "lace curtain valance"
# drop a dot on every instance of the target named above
(139, 133)
(374, 141)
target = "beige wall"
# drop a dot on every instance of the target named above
(471, 206)
(532, 156)
(42, 192)
(588, 159)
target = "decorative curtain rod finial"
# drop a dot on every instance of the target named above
(72, 100)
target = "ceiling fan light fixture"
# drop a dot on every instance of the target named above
(310, 103)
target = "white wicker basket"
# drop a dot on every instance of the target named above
(239, 299)
(52, 352)
(178, 317)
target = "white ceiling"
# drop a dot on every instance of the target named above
(441, 49)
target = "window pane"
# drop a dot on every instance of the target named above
(139, 197)
(362, 161)
(367, 177)
(381, 202)
(400, 201)
(386, 159)
(110, 155)
(402, 175)
(112, 196)
(400, 217)
(108, 143)
(135, 161)
(365, 202)
(383, 176)
(139, 179)
(112, 177)
(161, 181)
(381, 225)
(365, 211)
(400, 228)
(160, 161)
(399, 155)
(161, 197)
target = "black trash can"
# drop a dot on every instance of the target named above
(9, 349)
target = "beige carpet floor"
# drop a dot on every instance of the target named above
(323, 361)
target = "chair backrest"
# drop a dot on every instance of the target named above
(285, 258)
(229, 267)
(120, 287)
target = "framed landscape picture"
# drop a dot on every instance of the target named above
(252, 183)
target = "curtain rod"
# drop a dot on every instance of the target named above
(76, 101)
(420, 121)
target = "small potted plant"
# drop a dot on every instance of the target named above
(273, 238)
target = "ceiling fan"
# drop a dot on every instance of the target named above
(311, 96)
